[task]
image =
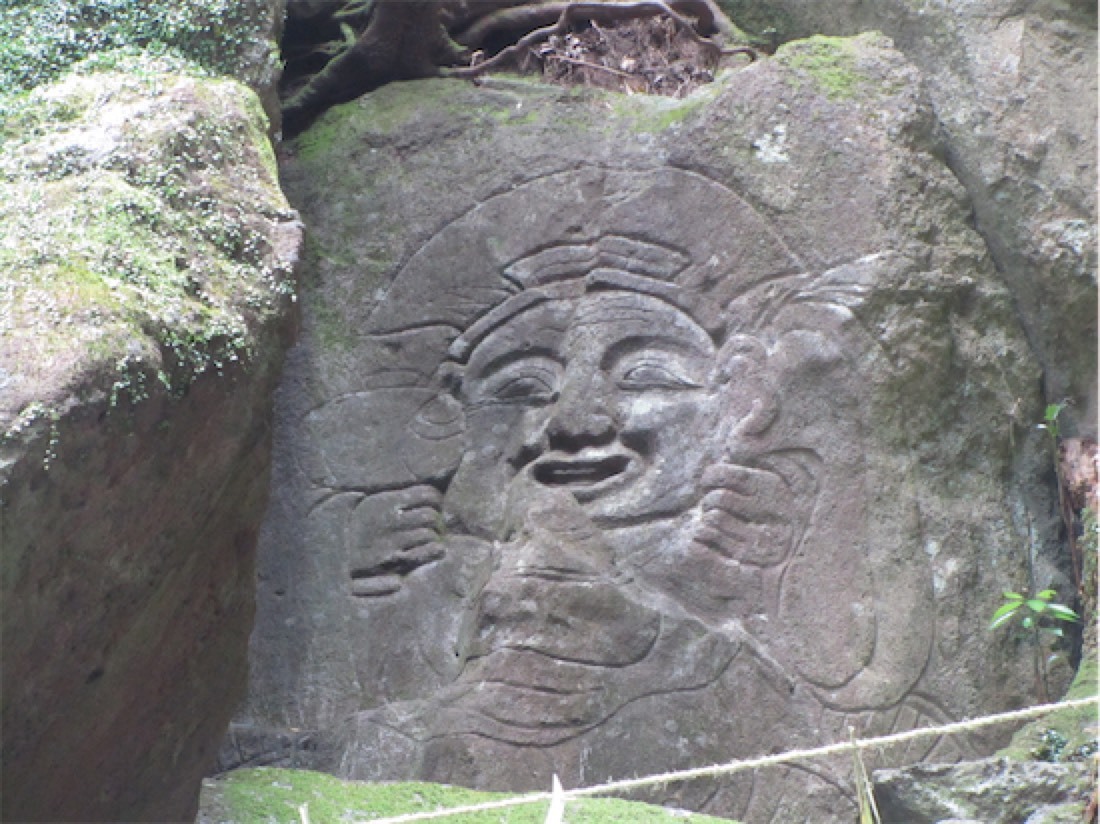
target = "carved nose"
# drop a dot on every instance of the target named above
(581, 418)
(574, 432)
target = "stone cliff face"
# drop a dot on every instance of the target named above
(146, 268)
(626, 435)
(622, 435)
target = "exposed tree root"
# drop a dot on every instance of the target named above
(570, 14)
(528, 17)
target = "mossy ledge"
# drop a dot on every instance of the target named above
(1064, 735)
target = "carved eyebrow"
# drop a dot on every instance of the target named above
(658, 341)
(538, 353)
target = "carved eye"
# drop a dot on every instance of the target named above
(648, 375)
(524, 389)
(529, 380)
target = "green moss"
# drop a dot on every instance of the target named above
(275, 795)
(330, 325)
(511, 117)
(133, 242)
(758, 19)
(1063, 734)
(319, 139)
(648, 114)
(830, 61)
(381, 113)
(40, 39)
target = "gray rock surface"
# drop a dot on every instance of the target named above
(1014, 86)
(626, 435)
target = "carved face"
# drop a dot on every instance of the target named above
(602, 396)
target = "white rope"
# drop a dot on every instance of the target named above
(752, 763)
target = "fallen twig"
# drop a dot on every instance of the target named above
(575, 62)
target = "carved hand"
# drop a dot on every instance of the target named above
(753, 514)
(391, 535)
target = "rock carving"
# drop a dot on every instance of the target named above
(639, 467)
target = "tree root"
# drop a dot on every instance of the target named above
(403, 41)
(528, 17)
(566, 15)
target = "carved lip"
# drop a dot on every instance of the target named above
(582, 474)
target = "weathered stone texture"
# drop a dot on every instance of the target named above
(991, 791)
(626, 435)
(1014, 86)
(146, 267)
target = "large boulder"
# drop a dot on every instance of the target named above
(1014, 87)
(629, 434)
(146, 261)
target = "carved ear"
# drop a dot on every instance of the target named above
(435, 447)
(384, 438)
(743, 382)
(439, 418)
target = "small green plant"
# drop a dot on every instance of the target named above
(1032, 611)
(1039, 618)
(1050, 420)
(1051, 746)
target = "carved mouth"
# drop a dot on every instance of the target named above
(579, 472)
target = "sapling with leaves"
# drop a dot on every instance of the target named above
(1038, 617)
(1070, 517)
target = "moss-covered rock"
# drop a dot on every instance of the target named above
(830, 61)
(1045, 774)
(1064, 735)
(992, 791)
(418, 195)
(1014, 87)
(144, 234)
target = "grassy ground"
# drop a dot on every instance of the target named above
(276, 796)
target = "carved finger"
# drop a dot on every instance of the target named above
(403, 562)
(421, 495)
(419, 518)
(758, 506)
(406, 540)
(730, 476)
(763, 543)
(371, 587)
(400, 509)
